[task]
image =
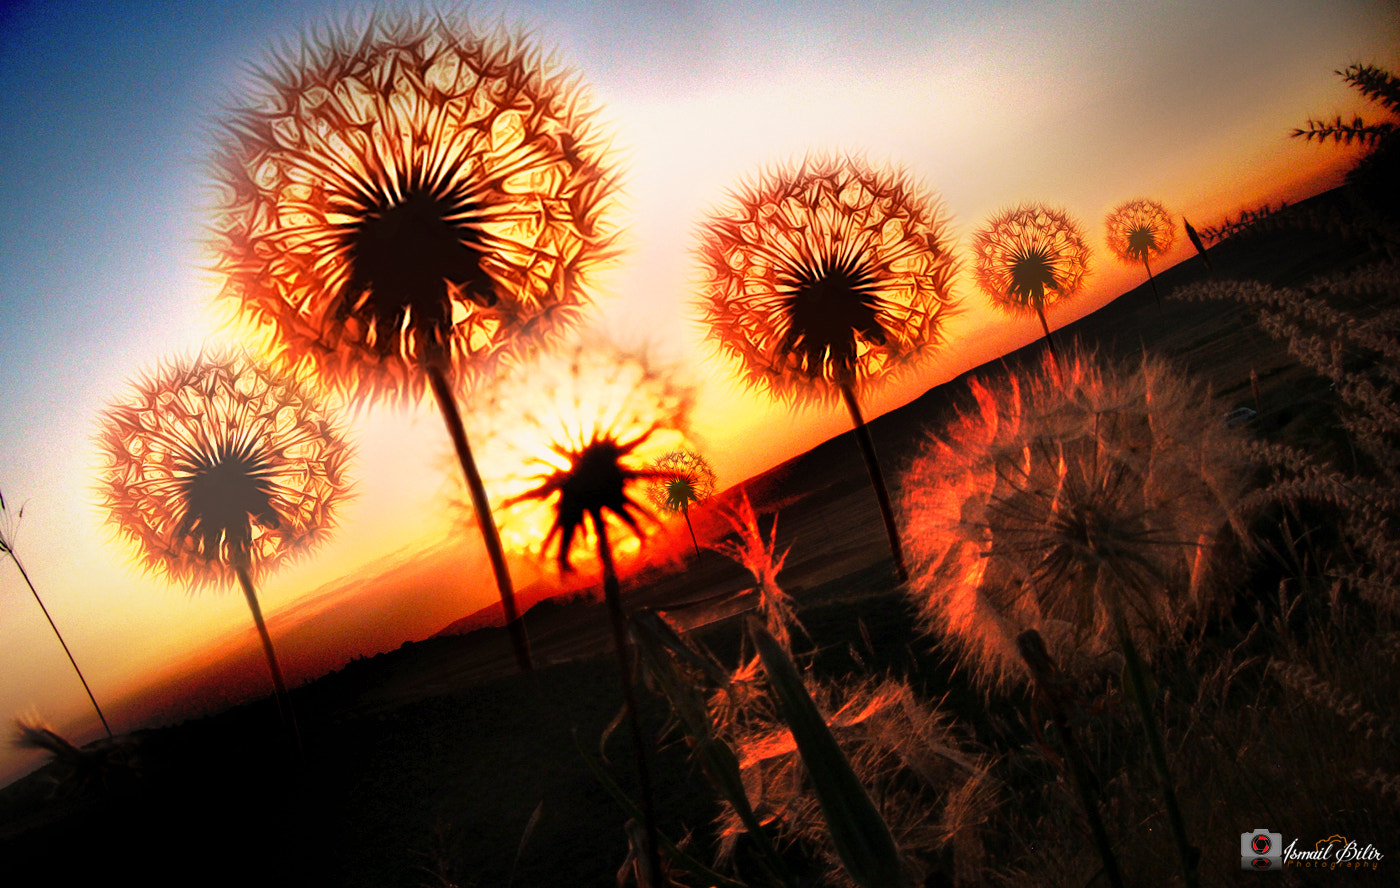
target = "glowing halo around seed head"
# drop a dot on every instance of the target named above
(213, 459)
(592, 405)
(825, 273)
(413, 190)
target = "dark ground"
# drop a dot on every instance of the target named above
(423, 766)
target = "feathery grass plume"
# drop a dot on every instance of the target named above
(688, 481)
(8, 527)
(1358, 350)
(1248, 221)
(1028, 258)
(410, 206)
(931, 791)
(79, 769)
(1053, 507)
(1373, 83)
(759, 557)
(218, 469)
(824, 278)
(1138, 231)
(614, 409)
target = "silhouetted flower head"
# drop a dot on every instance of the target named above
(684, 479)
(577, 435)
(825, 274)
(215, 461)
(1140, 230)
(1030, 256)
(1053, 503)
(412, 191)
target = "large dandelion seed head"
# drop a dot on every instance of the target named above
(826, 274)
(1030, 257)
(1059, 500)
(576, 436)
(928, 787)
(1139, 230)
(213, 462)
(684, 479)
(413, 191)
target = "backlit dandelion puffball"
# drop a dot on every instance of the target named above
(213, 461)
(412, 191)
(825, 274)
(1139, 230)
(573, 426)
(1051, 504)
(1030, 257)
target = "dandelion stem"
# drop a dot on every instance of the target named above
(685, 510)
(59, 635)
(1153, 282)
(279, 685)
(1188, 854)
(1049, 340)
(877, 478)
(1043, 674)
(612, 593)
(484, 519)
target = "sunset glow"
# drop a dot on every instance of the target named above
(225, 176)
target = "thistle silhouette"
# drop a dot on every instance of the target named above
(218, 469)
(687, 480)
(7, 547)
(1139, 230)
(410, 208)
(824, 279)
(1093, 512)
(1030, 257)
(588, 477)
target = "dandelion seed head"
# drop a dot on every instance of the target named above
(215, 461)
(577, 435)
(1030, 256)
(1059, 498)
(412, 191)
(1139, 230)
(828, 273)
(684, 479)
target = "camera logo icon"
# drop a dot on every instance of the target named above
(1261, 850)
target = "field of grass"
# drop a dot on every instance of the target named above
(437, 765)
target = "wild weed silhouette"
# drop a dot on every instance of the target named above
(218, 469)
(410, 206)
(588, 477)
(1028, 258)
(824, 278)
(8, 528)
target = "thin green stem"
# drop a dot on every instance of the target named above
(877, 478)
(520, 641)
(59, 635)
(612, 593)
(279, 685)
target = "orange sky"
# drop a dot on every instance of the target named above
(1084, 106)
